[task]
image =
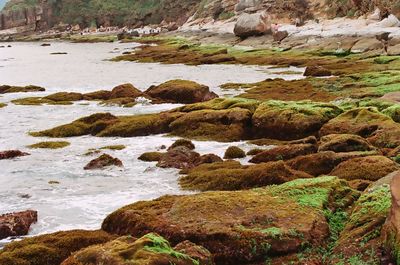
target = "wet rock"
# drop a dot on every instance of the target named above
(291, 120)
(50, 145)
(379, 129)
(125, 91)
(179, 157)
(182, 142)
(50, 249)
(280, 35)
(252, 226)
(65, 96)
(322, 163)
(284, 152)
(98, 95)
(252, 25)
(102, 162)
(317, 71)
(45, 44)
(369, 168)
(344, 143)
(15, 89)
(231, 175)
(265, 141)
(219, 125)
(10, 154)
(17, 224)
(234, 152)
(151, 156)
(208, 159)
(149, 249)
(181, 91)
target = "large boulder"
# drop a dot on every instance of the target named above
(252, 25)
(181, 91)
(220, 125)
(125, 91)
(231, 175)
(284, 152)
(240, 227)
(344, 143)
(10, 154)
(379, 129)
(149, 249)
(369, 168)
(16, 224)
(50, 249)
(291, 120)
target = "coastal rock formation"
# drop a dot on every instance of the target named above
(149, 249)
(50, 249)
(234, 152)
(103, 161)
(344, 143)
(10, 154)
(181, 91)
(284, 152)
(253, 226)
(16, 224)
(16, 89)
(178, 157)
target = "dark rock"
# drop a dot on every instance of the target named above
(11, 154)
(17, 224)
(317, 71)
(179, 157)
(102, 162)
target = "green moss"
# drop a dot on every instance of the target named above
(49, 145)
(393, 112)
(2, 105)
(17, 89)
(222, 104)
(114, 147)
(37, 101)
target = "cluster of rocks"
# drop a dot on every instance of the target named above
(173, 91)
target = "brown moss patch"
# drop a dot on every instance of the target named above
(50, 145)
(17, 89)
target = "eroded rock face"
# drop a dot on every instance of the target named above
(10, 154)
(149, 249)
(102, 162)
(252, 25)
(17, 224)
(253, 224)
(181, 91)
(50, 249)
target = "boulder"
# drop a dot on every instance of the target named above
(234, 152)
(366, 44)
(181, 91)
(16, 224)
(50, 249)
(241, 227)
(280, 35)
(252, 25)
(220, 125)
(151, 156)
(245, 4)
(125, 91)
(103, 161)
(149, 249)
(179, 157)
(182, 142)
(10, 154)
(208, 159)
(291, 120)
(64, 96)
(231, 175)
(16, 89)
(369, 168)
(379, 129)
(284, 152)
(344, 143)
(317, 71)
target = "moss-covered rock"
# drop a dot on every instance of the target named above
(114, 147)
(179, 157)
(379, 129)
(181, 91)
(233, 176)
(323, 163)
(222, 104)
(64, 96)
(344, 143)
(369, 168)
(266, 141)
(49, 145)
(240, 227)
(149, 249)
(284, 152)
(50, 249)
(393, 112)
(125, 91)
(38, 101)
(219, 125)
(16, 89)
(151, 156)
(234, 152)
(291, 120)
(182, 142)
(2, 105)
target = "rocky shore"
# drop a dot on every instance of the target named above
(320, 188)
